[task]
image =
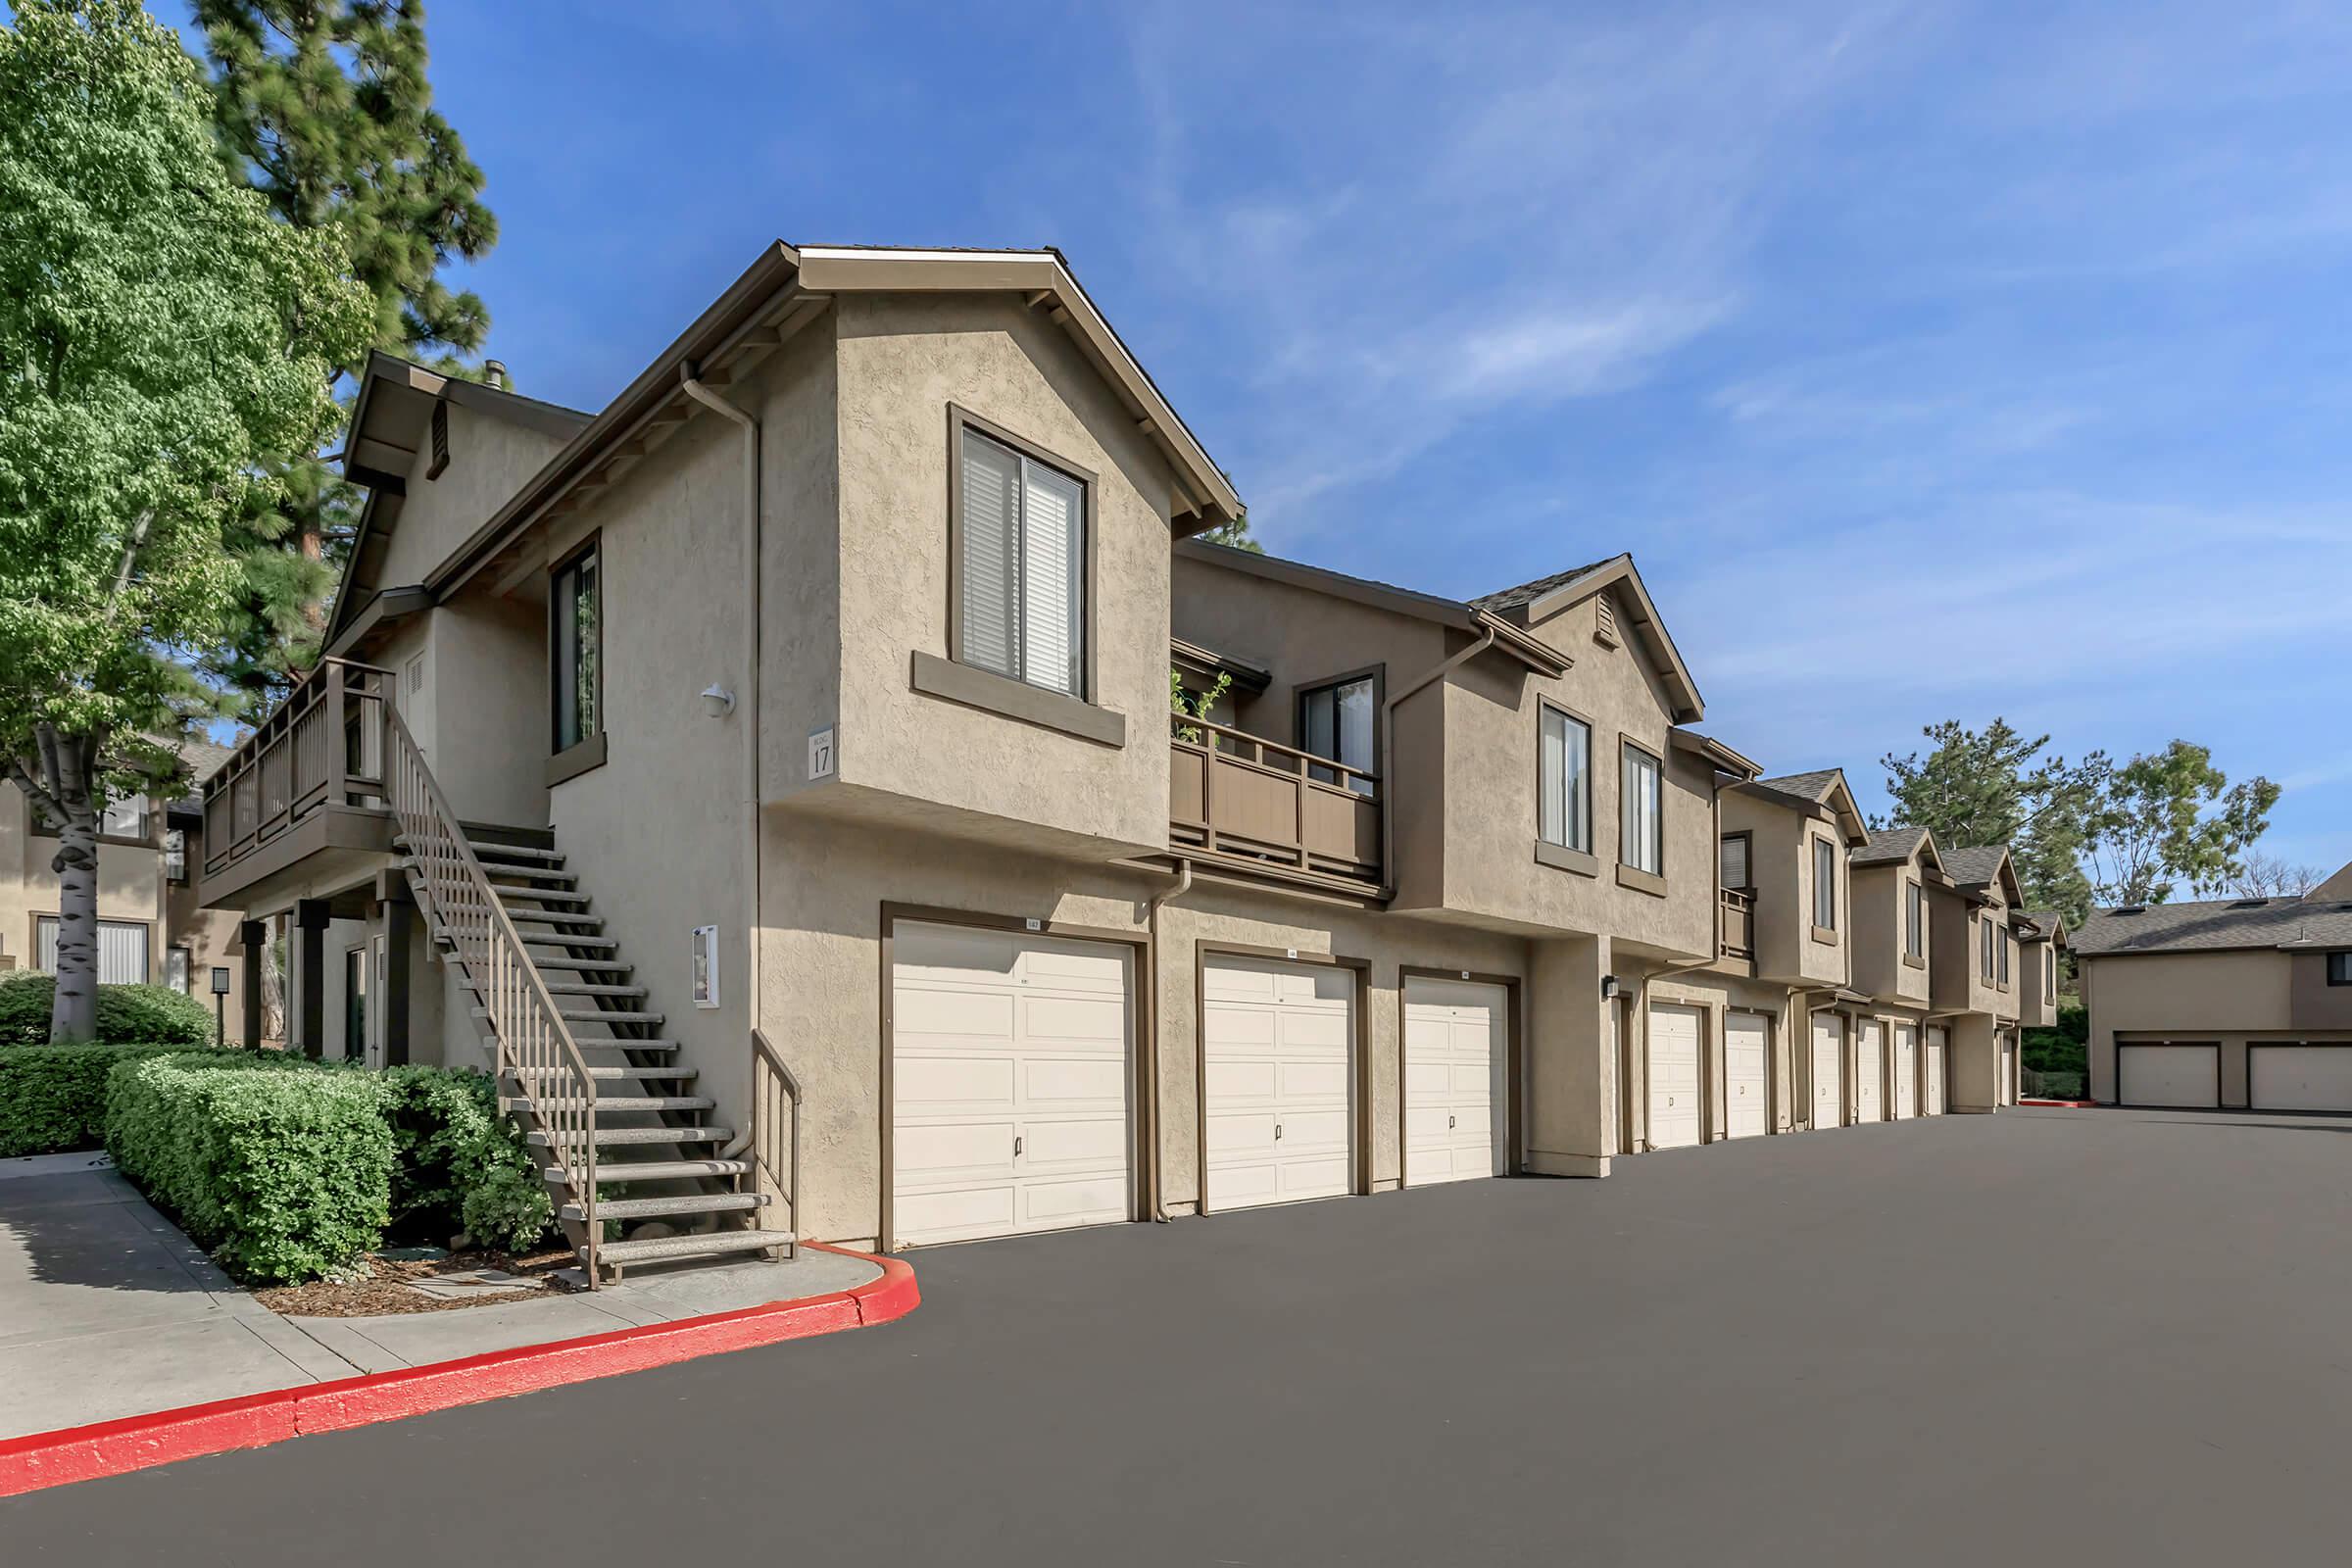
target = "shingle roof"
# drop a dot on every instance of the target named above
(1888, 845)
(1526, 593)
(1814, 786)
(2217, 924)
(1974, 865)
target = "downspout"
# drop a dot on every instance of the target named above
(1159, 1183)
(1388, 751)
(747, 699)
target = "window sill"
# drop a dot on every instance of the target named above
(1641, 881)
(992, 692)
(1560, 857)
(573, 760)
(1826, 935)
(1912, 962)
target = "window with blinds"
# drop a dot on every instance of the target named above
(1641, 825)
(1825, 884)
(1021, 568)
(1564, 779)
(1733, 862)
(1915, 924)
(577, 606)
(122, 950)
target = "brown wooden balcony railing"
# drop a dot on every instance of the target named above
(1739, 923)
(323, 745)
(1236, 797)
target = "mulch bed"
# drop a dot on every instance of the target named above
(386, 1293)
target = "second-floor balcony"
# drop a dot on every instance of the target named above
(1249, 802)
(1738, 939)
(310, 777)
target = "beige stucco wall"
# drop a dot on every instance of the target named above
(1780, 864)
(1492, 718)
(2185, 995)
(2312, 1003)
(130, 884)
(1955, 958)
(1877, 935)
(489, 459)
(903, 360)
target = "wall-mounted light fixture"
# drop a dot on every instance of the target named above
(717, 701)
(1608, 988)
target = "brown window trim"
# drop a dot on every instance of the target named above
(573, 760)
(990, 693)
(1913, 961)
(2328, 968)
(960, 420)
(590, 544)
(1377, 674)
(1827, 935)
(1567, 857)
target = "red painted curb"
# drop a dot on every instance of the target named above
(2070, 1104)
(255, 1420)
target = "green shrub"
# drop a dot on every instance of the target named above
(53, 1097)
(282, 1168)
(127, 1015)
(461, 1164)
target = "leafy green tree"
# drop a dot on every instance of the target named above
(325, 108)
(1234, 535)
(1996, 786)
(147, 305)
(2152, 827)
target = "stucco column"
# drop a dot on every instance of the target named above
(253, 938)
(1975, 1063)
(311, 918)
(1571, 1067)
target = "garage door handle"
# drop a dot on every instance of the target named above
(1449, 1124)
(1278, 1132)
(1017, 1147)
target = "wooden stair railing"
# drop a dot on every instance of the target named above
(535, 1046)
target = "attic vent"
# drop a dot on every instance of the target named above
(2247, 904)
(1604, 621)
(440, 441)
(2128, 908)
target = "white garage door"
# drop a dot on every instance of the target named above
(1829, 1070)
(1932, 1069)
(2009, 1072)
(1277, 1041)
(1747, 1064)
(1009, 1069)
(1673, 1077)
(1455, 1098)
(1906, 1070)
(2300, 1077)
(1870, 1072)
(2185, 1077)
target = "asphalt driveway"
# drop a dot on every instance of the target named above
(2045, 1337)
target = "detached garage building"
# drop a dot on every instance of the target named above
(2229, 1005)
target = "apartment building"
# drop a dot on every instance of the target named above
(774, 777)
(152, 929)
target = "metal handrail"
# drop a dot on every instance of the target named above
(534, 1044)
(1189, 731)
(765, 1157)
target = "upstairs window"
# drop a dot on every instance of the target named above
(1915, 926)
(2339, 968)
(2001, 947)
(1640, 821)
(1335, 721)
(1984, 945)
(1732, 863)
(175, 857)
(577, 643)
(1564, 780)
(1020, 563)
(1825, 884)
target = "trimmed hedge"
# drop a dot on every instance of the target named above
(281, 1167)
(462, 1166)
(53, 1097)
(127, 1015)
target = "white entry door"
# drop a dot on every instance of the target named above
(1673, 1058)
(1932, 1069)
(2300, 1076)
(1870, 1071)
(1277, 1041)
(1746, 1069)
(1009, 1082)
(1829, 1070)
(1457, 1036)
(1906, 1071)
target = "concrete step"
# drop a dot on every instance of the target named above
(510, 895)
(553, 963)
(620, 1253)
(590, 1015)
(574, 987)
(513, 851)
(564, 922)
(688, 1204)
(659, 1170)
(637, 1135)
(605, 1102)
(619, 1072)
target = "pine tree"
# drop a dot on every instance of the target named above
(323, 107)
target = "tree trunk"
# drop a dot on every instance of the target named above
(274, 987)
(74, 1014)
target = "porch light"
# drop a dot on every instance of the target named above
(717, 701)
(1608, 988)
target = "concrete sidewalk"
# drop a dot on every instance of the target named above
(107, 1310)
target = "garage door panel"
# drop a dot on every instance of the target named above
(1089, 1201)
(1455, 1042)
(1673, 1055)
(1827, 1074)
(1277, 1053)
(964, 1213)
(1240, 1131)
(941, 1152)
(1747, 1065)
(2303, 1076)
(2169, 1076)
(1240, 1029)
(1309, 1129)
(1069, 967)
(942, 1084)
(948, 1015)
(1906, 1071)
(1074, 1083)
(1095, 1023)
(1233, 1082)
(1303, 1081)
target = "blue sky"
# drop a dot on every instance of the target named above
(1933, 360)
